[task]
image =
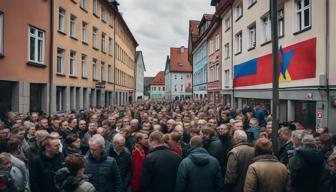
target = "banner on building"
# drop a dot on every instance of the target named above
(296, 62)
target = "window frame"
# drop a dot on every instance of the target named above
(266, 28)
(109, 73)
(84, 66)
(83, 4)
(252, 31)
(73, 63)
(61, 21)
(73, 26)
(238, 11)
(300, 22)
(94, 68)
(95, 7)
(102, 71)
(94, 37)
(103, 42)
(36, 45)
(84, 32)
(2, 29)
(239, 42)
(61, 55)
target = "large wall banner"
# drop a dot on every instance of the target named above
(297, 61)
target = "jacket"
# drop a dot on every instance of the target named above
(160, 169)
(65, 182)
(124, 163)
(104, 173)
(138, 156)
(266, 174)
(285, 152)
(239, 158)
(199, 172)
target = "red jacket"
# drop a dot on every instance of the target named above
(177, 149)
(138, 156)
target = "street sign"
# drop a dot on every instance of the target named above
(319, 114)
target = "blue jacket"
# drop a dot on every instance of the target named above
(199, 172)
(104, 173)
(255, 131)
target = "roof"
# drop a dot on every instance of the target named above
(159, 79)
(206, 17)
(179, 61)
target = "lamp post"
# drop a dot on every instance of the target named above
(275, 84)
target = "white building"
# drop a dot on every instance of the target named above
(178, 74)
(139, 75)
(308, 74)
(157, 86)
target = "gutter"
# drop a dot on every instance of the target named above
(51, 54)
(327, 56)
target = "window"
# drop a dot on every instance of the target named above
(109, 73)
(163, 88)
(239, 11)
(252, 36)
(227, 78)
(227, 50)
(159, 88)
(227, 24)
(154, 88)
(73, 26)
(217, 42)
(238, 40)
(61, 20)
(175, 76)
(266, 25)
(94, 37)
(181, 88)
(303, 14)
(102, 13)
(84, 66)
(110, 45)
(94, 69)
(1, 33)
(211, 46)
(251, 2)
(102, 71)
(36, 45)
(217, 72)
(59, 98)
(60, 60)
(175, 88)
(83, 4)
(103, 42)
(94, 6)
(181, 76)
(73, 63)
(280, 23)
(84, 32)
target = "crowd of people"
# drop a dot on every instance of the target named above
(163, 146)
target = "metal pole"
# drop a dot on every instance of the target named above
(275, 87)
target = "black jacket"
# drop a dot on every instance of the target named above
(124, 163)
(42, 171)
(199, 172)
(306, 167)
(160, 169)
(285, 152)
(219, 149)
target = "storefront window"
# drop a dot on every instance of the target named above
(305, 113)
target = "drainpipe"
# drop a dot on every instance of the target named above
(232, 72)
(51, 53)
(327, 56)
(114, 63)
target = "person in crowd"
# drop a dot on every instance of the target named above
(261, 114)
(322, 130)
(139, 152)
(239, 158)
(43, 166)
(160, 161)
(44, 124)
(329, 184)
(326, 146)
(254, 130)
(71, 178)
(296, 139)
(199, 171)
(266, 173)
(102, 169)
(306, 166)
(82, 128)
(7, 182)
(174, 143)
(72, 145)
(286, 149)
(237, 125)
(123, 157)
(92, 130)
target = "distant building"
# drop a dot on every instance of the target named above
(147, 82)
(178, 74)
(140, 69)
(157, 86)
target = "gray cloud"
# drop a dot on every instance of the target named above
(158, 25)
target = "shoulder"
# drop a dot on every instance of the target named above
(85, 187)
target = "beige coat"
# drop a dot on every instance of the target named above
(267, 174)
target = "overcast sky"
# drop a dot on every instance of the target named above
(158, 25)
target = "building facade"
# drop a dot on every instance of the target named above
(307, 70)
(157, 86)
(178, 74)
(140, 75)
(24, 55)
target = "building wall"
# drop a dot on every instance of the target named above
(200, 70)
(157, 92)
(140, 77)
(180, 84)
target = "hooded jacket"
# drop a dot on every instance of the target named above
(199, 172)
(65, 182)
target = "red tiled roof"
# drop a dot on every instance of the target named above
(193, 29)
(179, 61)
(159, 79)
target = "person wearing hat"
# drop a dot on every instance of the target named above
(306, 166)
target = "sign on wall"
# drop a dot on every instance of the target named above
(297, 61)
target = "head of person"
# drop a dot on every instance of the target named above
(5, 162)
(269, 127)
(325, 143)
(41, 135)
(207, 133)
(171, 125)
(155, 139)
(237, 125)
(134, 124)
(64, 125)
(212, 123)
(44, 123)
(285, 134)
(93, 127)
(263, 146)
(196, 141)
(253, 122)
(11, 116)
(96, 145)
(94, 118)
(34, 117)
(72, 123)
(332, 164)
(174, 138)
(146, 126)
(102, 131)
(296, 139)
(73, 141)
(14, 146)
(118, 142)
(201, 123)
(322, 130)
(82, 125)
(239, 136)
(157, 127)
(179, 128)
(18, 131)
(141, 138)
(112, 119)
(75, 164)
(30, 128)
(308, 141)
(223, 130)
(51, 146)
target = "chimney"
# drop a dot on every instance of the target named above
(181, 49)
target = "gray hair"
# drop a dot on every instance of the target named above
(117, 137)
(135, 120)
(298, 134)
(97, 139)
(241, 135)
